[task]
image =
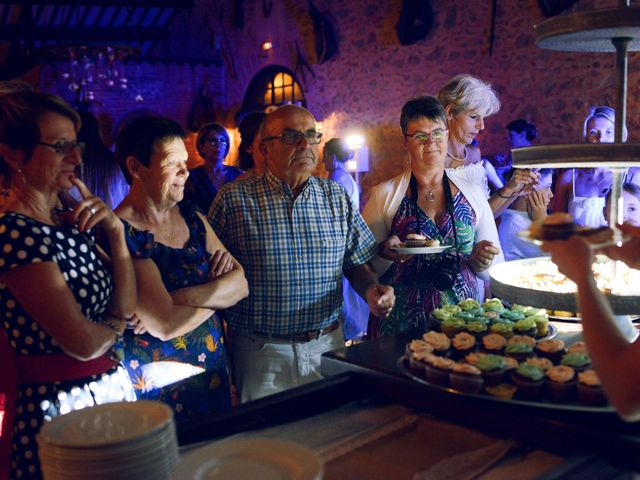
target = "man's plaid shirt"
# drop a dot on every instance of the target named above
(293, 251)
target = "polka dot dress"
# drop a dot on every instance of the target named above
(24, 241)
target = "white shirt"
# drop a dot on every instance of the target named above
(514, 247)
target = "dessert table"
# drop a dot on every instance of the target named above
(367, 419)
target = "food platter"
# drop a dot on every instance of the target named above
(533, 281)
(544, 403)
(420, 250)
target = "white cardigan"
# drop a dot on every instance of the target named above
(386, 198)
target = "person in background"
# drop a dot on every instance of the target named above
(184, 274)
(582, 191)
(467, 101)
(213, 145)
(250, 158)
(355, 311)
(99, 170)
(631, 204)
(521, 134)
(530, 208)
(296, 235)
(425, 200)
(64, 303)
(614, 357)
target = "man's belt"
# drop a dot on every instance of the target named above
(304, 336)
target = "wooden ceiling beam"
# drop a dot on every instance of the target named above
(88, 34)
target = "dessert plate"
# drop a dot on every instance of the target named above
(420, 250)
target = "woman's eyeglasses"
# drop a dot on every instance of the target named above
(293, 137)
(421, 138)
(65, 147)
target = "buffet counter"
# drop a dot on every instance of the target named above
(367, 419)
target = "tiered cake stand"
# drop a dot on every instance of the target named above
(604, 30)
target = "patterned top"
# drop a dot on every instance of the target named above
(293, 250)
(155, 365)
(201, 190)
(415, 297)
(24, 241)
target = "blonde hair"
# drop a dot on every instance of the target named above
(466, 92)
(605, 112)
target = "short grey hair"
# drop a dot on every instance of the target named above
(605, 112)
(466, 92)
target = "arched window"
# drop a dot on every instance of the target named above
(271, 87)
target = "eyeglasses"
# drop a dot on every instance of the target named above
(293, 137)
(217, 141)
(65, 147)
(421, 138)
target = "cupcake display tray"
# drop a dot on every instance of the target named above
(553, 330)
(543, 403)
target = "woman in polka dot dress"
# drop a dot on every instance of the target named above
(62, 309)
(184, 274)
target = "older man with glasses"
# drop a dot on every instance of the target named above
(296, 235)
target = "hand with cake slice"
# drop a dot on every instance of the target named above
(561, 226)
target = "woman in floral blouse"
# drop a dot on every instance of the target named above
(184, 274)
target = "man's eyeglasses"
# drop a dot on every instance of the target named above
(65, 147)
(293, 137)
(217, 141)
(421, 138)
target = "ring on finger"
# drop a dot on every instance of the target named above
(92, 210)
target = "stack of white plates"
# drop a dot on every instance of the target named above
(250, 458)
(115, 441)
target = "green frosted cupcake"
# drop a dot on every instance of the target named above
(529, 379)
(578, 361)
(477, 329)
(513, 315)
(447, 311)
(492, 368)
(493, 305)
(542, 324)
(453, 325)
(504, 329)
(469, 304)
(526, 326)
(519, 351)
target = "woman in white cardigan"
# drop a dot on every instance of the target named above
(424, 200)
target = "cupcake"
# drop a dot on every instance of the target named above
(578, 347)
(576, 360)
(417, 361)
(477, 329)
(529, 379)
(472, 358)
(504, 329)
(542, 324)
(462, 344)
(493, 305)
(466, 378)
(526, 326)
(437, 369)
(519, 351)
(417, 345)
(451, 326)
(552, 349)
(439, 341)
(510, 365)
(467, 316)
(561, 382)
(469, 304)
(513, 315)
(504, 391)
(494, 343)
(522, 339)
(540, 362)
(492, 368)
(491, 316)
(590, 389)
